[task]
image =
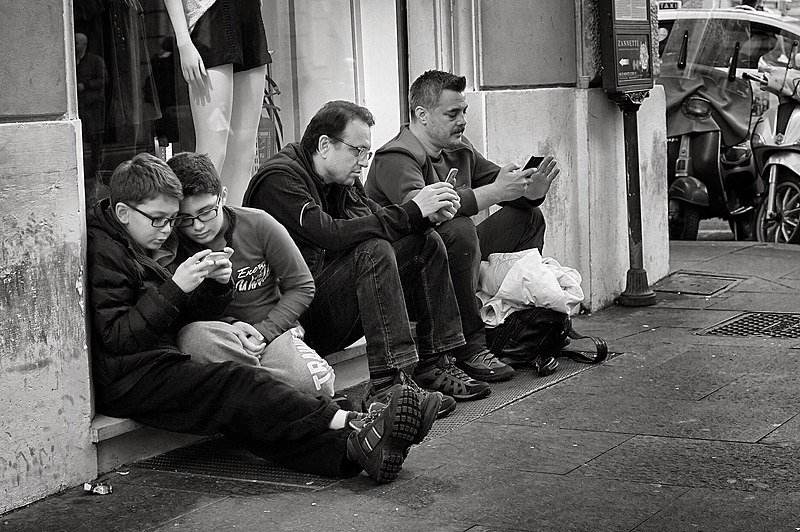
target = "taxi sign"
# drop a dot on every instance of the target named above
(669, 4)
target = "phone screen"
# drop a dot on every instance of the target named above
(533, 162)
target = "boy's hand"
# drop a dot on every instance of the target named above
(193, 271)
(223, 268)
(252, 340)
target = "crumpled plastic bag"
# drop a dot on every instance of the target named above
(511, 281)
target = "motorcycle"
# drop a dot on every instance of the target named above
(710, 170)
(776, 147)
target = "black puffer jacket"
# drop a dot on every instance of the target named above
(325, 220)
(136, 309)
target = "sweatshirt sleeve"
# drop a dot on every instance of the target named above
(288, 199)
(395, 177)
(296, 282)
(126, 320)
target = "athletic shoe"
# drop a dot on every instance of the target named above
(485, 367)
(446, 378)
(446, 403)
(382, 443)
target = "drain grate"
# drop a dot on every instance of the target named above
(699, 284)
(220, 458)
(770, 324)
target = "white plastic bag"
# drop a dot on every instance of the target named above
(510, 281)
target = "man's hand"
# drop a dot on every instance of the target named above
(539, 182)
(193, 271)
(434, 197)
(511, 183)
(223, 268)
(445, 213)
(252, 340)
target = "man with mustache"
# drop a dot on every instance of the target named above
(424, 152)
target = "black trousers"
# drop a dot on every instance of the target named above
(507, 230)
(270, 418)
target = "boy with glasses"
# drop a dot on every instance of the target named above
(138, 308)
(272, 282)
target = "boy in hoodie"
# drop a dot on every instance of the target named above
(272, 282)
(137, 310)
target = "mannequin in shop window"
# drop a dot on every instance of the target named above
(223, 57)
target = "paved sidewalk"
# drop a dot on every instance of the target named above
(683, 431)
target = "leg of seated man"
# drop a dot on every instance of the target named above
(286, 357)
(464, 255)
(360, 293)
(511, 229)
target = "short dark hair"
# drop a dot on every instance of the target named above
(332, 120)
(142, 178)
(427, 89)
(196, 173)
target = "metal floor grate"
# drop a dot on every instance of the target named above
(220, 458)
(770, 324)
(699, 284)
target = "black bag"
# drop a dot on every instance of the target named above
(534, 335)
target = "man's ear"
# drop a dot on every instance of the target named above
(323, 146)
(422, 114)
(223, 196)
(123, 212)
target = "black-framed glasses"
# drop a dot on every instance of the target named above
(362, 152)
(156, 221)
(205, 216)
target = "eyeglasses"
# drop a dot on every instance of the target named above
(156, 221)
(362, 152)
(205, 216)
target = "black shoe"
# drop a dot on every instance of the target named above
(446, 404)
(446, 378)
(382, 443)
(486, 367)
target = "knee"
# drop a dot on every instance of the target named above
(461, 239)
(374, 252)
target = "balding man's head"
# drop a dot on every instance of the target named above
(81, 41)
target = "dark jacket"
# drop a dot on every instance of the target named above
(402, 166)
(135, 308)
(325, 220)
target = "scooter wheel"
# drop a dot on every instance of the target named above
(785, 226)
(684, 221)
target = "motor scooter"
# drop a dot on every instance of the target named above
(710, 171)
(776, 148)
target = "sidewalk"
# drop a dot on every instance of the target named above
(681, 431)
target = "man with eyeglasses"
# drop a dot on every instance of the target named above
(272, 282)
(373, 267)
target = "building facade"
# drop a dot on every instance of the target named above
(532, 68)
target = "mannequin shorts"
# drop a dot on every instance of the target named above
(231, 31)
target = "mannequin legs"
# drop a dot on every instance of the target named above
(226, 113)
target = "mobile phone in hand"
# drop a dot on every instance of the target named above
(217, 257)
(451, 176)
(534, 162)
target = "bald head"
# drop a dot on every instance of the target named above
(81, 41)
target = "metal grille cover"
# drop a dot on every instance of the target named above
(770, 324)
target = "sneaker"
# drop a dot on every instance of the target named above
(446, 378)
(446, 403)
(485, 366)
(382, 442)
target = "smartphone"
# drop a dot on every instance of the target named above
(216, 256)
(534, 162)
(451, 176)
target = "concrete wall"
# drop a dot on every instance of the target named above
(45, 407)
(586, 208)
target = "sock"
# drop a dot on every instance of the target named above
(383, 379)
(339, 420)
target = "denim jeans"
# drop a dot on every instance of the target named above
(507, 230)
(373, 289)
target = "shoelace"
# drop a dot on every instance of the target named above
(364, 419)
(408, 381)
(450, 367)
(487, 358)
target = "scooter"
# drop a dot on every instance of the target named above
(710, 171)
(776, 146)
